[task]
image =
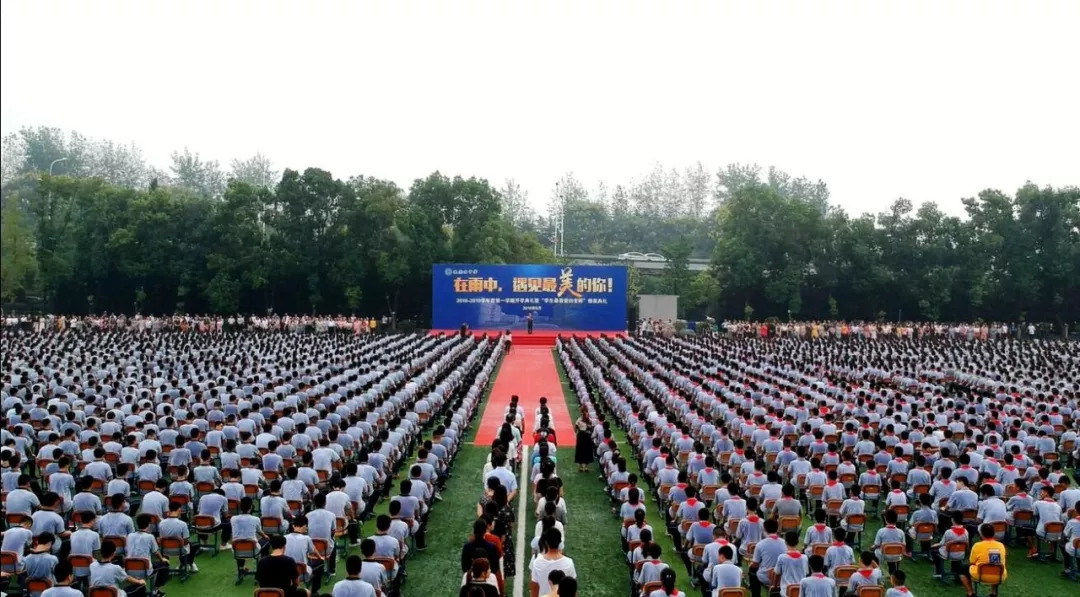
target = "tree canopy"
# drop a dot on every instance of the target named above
(108, 232)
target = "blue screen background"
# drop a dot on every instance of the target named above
(458, 297)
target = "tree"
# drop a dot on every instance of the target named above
(18, 265)
(191, 172)
(257, 171)
(677, 267)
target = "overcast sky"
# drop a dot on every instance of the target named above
(929, 100)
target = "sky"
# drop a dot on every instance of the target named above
(928, 100)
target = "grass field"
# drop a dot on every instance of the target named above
(1026, 578)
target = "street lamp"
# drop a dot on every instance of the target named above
(55, 162)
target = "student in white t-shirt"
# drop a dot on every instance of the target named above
(550, 558)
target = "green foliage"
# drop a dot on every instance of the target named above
(312, 243)
(18, 265)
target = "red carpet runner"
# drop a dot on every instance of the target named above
(530, 372)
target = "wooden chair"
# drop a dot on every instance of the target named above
(265, 592)
(1052, 533)
(80, 567)
(870, 591)
(111, 592)
(856, 523)
(206, 526)
(649, 587)
(142, 569)
(924, 533)
(793, 591)
(893, 553)
(988, 574)
(271, 525)
(243, 550)
(173, 547)
(790, 523)
(733, 592)
(36, 586)
(842, 575)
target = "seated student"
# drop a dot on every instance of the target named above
(278, 571)
(818, 533)
(142, 544)
(791, 567)
(64, 578)
(987, 551)
(105, 573)
(372, 572)
(899, 588)
(352, 585)
(839, 553)
(925, 513)
(1072, 532)
(301, 549)
(725, 574)
(1047, 510)
(867, 574)
(174, 526)
(40, 562)
(652, 567)
(46, 520)
(667, 582)
(957, 533)
(817, 584)
(85, 540)
(889, 534)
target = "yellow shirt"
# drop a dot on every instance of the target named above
(987, 552)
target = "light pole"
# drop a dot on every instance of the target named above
(55, 162)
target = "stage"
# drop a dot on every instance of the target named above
(538, 337)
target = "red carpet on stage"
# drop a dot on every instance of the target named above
(529, 372)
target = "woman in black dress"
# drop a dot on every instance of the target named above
(584, 451)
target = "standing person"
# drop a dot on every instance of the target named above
(584, 448)
(278, 571)
(550, 558)
(529, 322)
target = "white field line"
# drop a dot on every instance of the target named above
(524, 488)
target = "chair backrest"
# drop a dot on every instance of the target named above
(793, 591)
(9, 561)
(112, 592)
(790, 523)
(138, 567)
(843, 574)
(266, 592)
(80, 565)
(819, 549)
(270, 524)
(732, 592)
(1053, 530)
(956, 550)
(322, 546)
(245, 549)
(893, 552)
(37, 586)
(990, 574)
(649, 587)
(870, 591)
(856, 522)
(202, 521)
(387, 563)
(924, 531)
(172, 546)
